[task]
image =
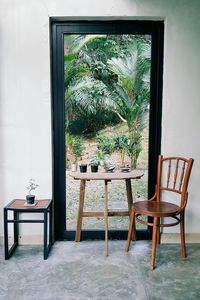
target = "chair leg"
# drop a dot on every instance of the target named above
(131, 225)
(154, 243)
(182, 231)
(158, 232)
(134, 235)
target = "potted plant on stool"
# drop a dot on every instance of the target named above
(30, 199)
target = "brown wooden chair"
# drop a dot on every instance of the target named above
(172, 180)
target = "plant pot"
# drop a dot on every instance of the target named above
(73, 167)
(83, 168)
(94, 168)
(30, 199)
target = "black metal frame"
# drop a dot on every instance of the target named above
(59, 27)
(16, 211)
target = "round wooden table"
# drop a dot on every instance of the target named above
(106, 177)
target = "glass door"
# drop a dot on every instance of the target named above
(107, 88)
(107, 102)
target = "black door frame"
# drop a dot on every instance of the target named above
(59, 27)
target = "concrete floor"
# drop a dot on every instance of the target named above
(80, 271)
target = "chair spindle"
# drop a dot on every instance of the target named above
(169, 173)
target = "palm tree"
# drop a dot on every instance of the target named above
(83, 92)
(127, 95)
(131, 92)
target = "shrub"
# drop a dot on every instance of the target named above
(105, 144)
(77, 148)
(99, 158)
(120, 141)
(120, 144)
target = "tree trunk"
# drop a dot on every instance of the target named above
(122, 157)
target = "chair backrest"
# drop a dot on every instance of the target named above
(173, 175)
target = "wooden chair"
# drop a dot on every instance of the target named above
(172, 179)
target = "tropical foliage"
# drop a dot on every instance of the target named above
(105, 144)
(75, 147)
(106, 75)
(131, 92)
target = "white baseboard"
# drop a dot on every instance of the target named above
(174, 238)
(166, 238)
(26, 240)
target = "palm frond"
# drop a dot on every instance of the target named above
(89, 94)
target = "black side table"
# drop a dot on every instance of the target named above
(18, 207)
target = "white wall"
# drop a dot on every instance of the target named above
(25, 102)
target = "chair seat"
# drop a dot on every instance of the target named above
(153, 208)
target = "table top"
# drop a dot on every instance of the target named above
(116, 175)
(19, 204)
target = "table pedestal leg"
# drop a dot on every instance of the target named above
(80, 211)
(106, 217)
(130, 203)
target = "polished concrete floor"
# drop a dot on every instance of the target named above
(80, 271)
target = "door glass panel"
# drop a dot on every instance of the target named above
(107, 93)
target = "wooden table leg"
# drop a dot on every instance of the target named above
(80, 210)
(130, 203)
(106, 217)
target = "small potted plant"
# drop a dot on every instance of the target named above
(94, 163)
(30, 199)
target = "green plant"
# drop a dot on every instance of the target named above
(99, 158)
(120, 143)
(69, 139)
(132, 91)
(105, 144)
(133, 148)
(77, 148)
(109, 73)
(94, 160)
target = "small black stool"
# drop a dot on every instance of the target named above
(19, 206)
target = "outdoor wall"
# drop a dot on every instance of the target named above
(25, 99)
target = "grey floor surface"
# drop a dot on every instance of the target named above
(81, 271)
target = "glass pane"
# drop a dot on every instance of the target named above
(107, 91)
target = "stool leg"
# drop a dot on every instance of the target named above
(50, 224)
(16, 228)
(45, 235)
(106, 216)
(6, 234)
(80, 211)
